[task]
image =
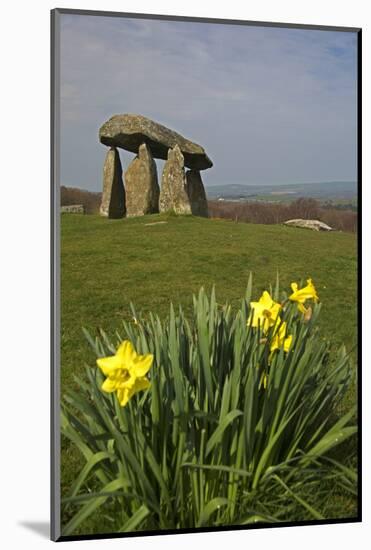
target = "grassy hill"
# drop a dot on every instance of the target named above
(106, 264)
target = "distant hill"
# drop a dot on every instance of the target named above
(332, 190)
(329, 191)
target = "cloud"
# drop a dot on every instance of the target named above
(268, 104)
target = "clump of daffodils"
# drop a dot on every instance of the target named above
(265, 314)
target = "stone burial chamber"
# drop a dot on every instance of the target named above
(136, 192)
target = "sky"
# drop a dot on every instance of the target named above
(269, 105)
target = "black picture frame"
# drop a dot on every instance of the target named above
(55, 506)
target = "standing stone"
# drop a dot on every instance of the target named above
(196, 193)
(141, 184)
(173, 195)
(113, 196)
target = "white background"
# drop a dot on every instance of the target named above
(25, 268)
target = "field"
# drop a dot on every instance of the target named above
(278, 212)
(106, 264)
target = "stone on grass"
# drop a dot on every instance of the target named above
(141, 184)
(315, 225)
(196, 193)
(113, 196)
(173, 194)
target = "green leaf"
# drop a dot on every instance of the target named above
(215, 468)
(330, 440)
(259, 518)
(211, 507)
(336, 435)
(300, 500)
(248, 292)
(88, 496)
(91, 463)
(91, 507)
(135, 520)
(217, 435)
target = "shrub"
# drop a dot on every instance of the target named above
(91, 201)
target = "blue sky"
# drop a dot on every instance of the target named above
(269, 105)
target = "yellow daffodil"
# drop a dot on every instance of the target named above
(280, 340)
(264, 313)
(301, 295)
(125, 372)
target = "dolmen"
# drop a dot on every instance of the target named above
(137, 192)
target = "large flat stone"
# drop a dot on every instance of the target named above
(129, 131)
(315, 225)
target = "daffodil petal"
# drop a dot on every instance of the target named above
(256, 314)
(109, 364)
(109, 385)
(123, 397)
(142, 364)
(306, 293)
(127, 353)
(140, 384)
(294, 287)
(266, 300)
(282, 330)
(287, 343)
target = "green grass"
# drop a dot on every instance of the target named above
(106, 264)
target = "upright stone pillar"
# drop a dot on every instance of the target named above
(196, 193)
(173, 194)
(141, 184)
(113, 196)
